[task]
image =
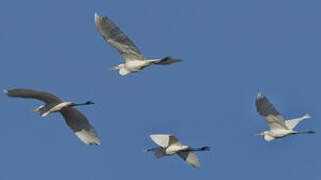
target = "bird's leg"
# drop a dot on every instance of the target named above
(204, 148)
(85, 103)
(306, 132)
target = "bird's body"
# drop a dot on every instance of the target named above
(74, 119)
(134, 59)
(170, 145)
(278, 126)
(47, 109)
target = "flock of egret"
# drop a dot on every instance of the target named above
(134, 62)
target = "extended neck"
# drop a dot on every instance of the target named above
(85, 103)
(204, 148)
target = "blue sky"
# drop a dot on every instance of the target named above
(231, 51)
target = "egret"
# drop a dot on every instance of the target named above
(74, 119)
(278, 126)
(134, 59)
(170, 145)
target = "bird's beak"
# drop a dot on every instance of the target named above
(34, 110)
(114, 68)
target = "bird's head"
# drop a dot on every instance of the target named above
(116, 67)
(260, 134)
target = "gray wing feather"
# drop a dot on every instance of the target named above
(264, 107)
(174, 141)
(190, 158)
(80, 125)
(29, 93)
(274, 119)
(115, 37)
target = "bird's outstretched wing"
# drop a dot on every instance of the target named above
(80, 125)
(165, 140)
(29, 93)
(274, 119)
(190, 158)
(115, 37)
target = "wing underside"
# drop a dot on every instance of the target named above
(274, 119)
(80, 125)
(190, 158)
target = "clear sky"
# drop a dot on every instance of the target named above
(231, 51)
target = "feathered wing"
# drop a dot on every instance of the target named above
(80, 125)
(190, 158)
(115, 37)
(165, 140)
(274, 119)
(29, 93)
(174, 141)
(161, 139)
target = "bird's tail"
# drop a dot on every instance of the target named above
(306, 116)
(293, 122)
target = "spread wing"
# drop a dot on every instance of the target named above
(274, 119)
(115, 37)
(190, 158)
(80, 125)
(165, 140)
(29, 93)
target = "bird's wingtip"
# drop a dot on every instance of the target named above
(96, 15)
(259, 95)
(5, 91)
(94, 143)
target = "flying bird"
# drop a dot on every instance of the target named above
(74, 119)
(170, 145)
(134, 59)
(278, 126)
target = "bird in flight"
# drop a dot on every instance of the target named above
(74, 119)
(278, 126)
(134, 59)
(170, 145)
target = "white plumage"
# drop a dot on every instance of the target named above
(74, 118)
(134, 59)
(278, 126)
(170, 145)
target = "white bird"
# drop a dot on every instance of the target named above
(74, 119)
(134, 60)
(170, 145)
(278, 126)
